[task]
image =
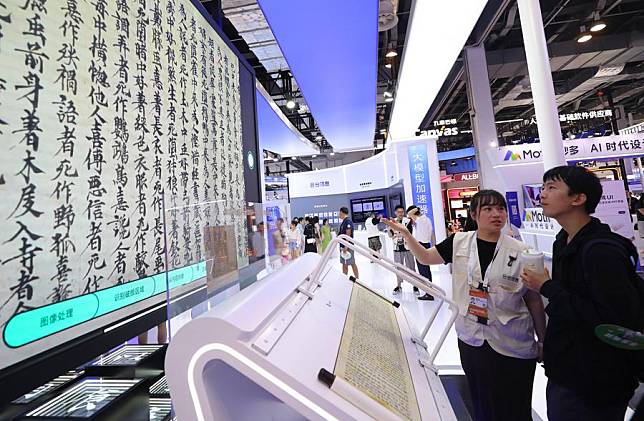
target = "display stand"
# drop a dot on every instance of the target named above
(258, 354)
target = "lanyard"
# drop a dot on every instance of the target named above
(474, 265)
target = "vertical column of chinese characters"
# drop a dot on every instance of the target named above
(235, 159)
(171, 112)
(205, 126)
(5, 20)
(121, 223)
(157, 134)
(66, 171)
(223, 149)
(26, 213)
(184, 154)
(141, 165)
(215, 117)
(213, 123)
(95, 158)
(194, 138)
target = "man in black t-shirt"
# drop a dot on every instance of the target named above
(347, 256)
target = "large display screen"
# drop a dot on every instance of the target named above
(362, 208)
(110, 113)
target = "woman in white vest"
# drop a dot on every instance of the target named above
(498, 316)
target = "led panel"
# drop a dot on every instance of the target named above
(50, 386)
(436, 35)
(160, 387)
(86, 399)
(331, 47)
(160, 409)
(127, 355)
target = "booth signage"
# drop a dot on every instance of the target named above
(470, 176)
(535, 220)
(513, 208)
(618, 146)
(419, 174)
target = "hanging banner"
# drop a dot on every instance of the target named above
(607, 147)
(419, 174)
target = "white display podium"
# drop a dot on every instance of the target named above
(257, 355)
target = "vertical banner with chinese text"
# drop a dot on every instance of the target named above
(419, 176)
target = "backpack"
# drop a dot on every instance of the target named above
(629, 252)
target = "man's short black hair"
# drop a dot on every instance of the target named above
(344, 210)
(399, 207)
(579, 180)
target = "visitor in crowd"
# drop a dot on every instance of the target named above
(294, 240)
(373, 233)
(302, 221)
(497, 316)
(423, 233)
(257, 243)
(593, 282)
(325, 232)
(347, 256)
(318, 233)
(279, 240)
(310, 236)
(401, 254)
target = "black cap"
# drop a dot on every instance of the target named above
(326, 377)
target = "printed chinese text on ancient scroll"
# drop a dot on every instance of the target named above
(372, 355)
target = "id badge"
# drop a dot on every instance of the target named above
(478, 304)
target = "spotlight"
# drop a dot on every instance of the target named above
(275, 159)
(597, 26)
(313, 156)
(290, 104)
(390, 99)
(453, 163)
(293, 158)
(388, 65)
(318, 137)
(332, 154)
(391, 53)
(584, 37)
(387, 94)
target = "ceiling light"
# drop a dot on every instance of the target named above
(493, 143)
(293, 158)
(391, 53)
(390, 99)
(290, 104)
(332, 153)
(584, 37)
(453, 163)
(597, 26)
(275, 159)
(383, 131)
(387, 94)
(388, 65)
(318, 137)
(313, 156)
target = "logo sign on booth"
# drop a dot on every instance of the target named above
(419, 173)
(618, 146)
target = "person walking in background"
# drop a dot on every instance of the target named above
(257, 243)
(498, 317)
(280, 243)
(318, 233)
(424, 234)
(310, 236)
(401, 254)
(294, 240)
(593, 282)
(373, 233)
(347, 256)
(325, 232)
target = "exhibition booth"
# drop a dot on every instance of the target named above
(521, 169)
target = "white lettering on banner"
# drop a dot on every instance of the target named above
(617, 146)
(466, 177)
